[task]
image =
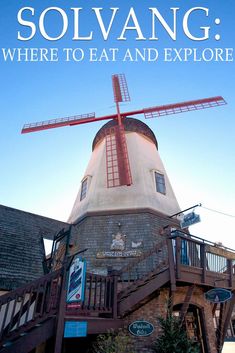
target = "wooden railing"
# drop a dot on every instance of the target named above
(183, 254)
(99, 299)
(143, 268)
(103, 292)
(22, 309)
(213, 260)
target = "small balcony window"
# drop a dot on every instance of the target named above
(160, 183)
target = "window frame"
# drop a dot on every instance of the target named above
(160, 182)
(84, 188)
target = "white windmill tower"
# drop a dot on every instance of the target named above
(125, 185)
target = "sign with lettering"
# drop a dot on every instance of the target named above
(218, 295)
(73, 305)
(75, 329)
(112, 254)
(141, 328)
(190, 219)
(76, 281)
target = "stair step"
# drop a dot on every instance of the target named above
(134, 289)
(139, 283)
(147, 277)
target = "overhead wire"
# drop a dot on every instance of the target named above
(216, 211)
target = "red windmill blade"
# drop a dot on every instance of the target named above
(117, 160)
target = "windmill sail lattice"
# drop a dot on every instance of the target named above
(117, 160)
(120, 88)
(184, 107)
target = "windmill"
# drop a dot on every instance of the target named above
(118, 169)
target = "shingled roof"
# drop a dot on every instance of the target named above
(21, 245)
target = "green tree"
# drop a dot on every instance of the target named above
(118, 341)
(174, 337)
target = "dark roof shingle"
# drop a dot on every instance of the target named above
(21, 245)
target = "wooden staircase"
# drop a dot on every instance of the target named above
(28, 314)
(31, 338)
(141, 291)
(137, 281)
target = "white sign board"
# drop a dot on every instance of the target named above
(76, 281)
(189, 219)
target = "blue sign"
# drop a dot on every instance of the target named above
(76, 281)
(218, 295)
(75, 329)
(189, 219)
(141, 328)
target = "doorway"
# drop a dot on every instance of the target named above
(194, 325)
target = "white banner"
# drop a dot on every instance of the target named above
(76, 281)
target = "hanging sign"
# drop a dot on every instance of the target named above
(190, 219)
(218, 295)
(141, 328)
(76, 281)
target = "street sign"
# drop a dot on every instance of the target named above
(75, 329)
(76, 281)
(141, 328)
(218, 295)
(189, 219)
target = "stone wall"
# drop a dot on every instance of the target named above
(142, 231)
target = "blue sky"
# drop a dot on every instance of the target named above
(41, 172)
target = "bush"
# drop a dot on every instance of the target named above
(174, 338)
(118, 341)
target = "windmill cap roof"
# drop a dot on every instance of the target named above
(130, 124)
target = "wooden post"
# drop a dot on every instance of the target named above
(115, 283)
(214, 309)
(228, 315)
(220, 328)
(62, 305)
(61, 315)
(186, 303)
(230, 272)
(203, 261)
(171, 264)
(178, 257)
